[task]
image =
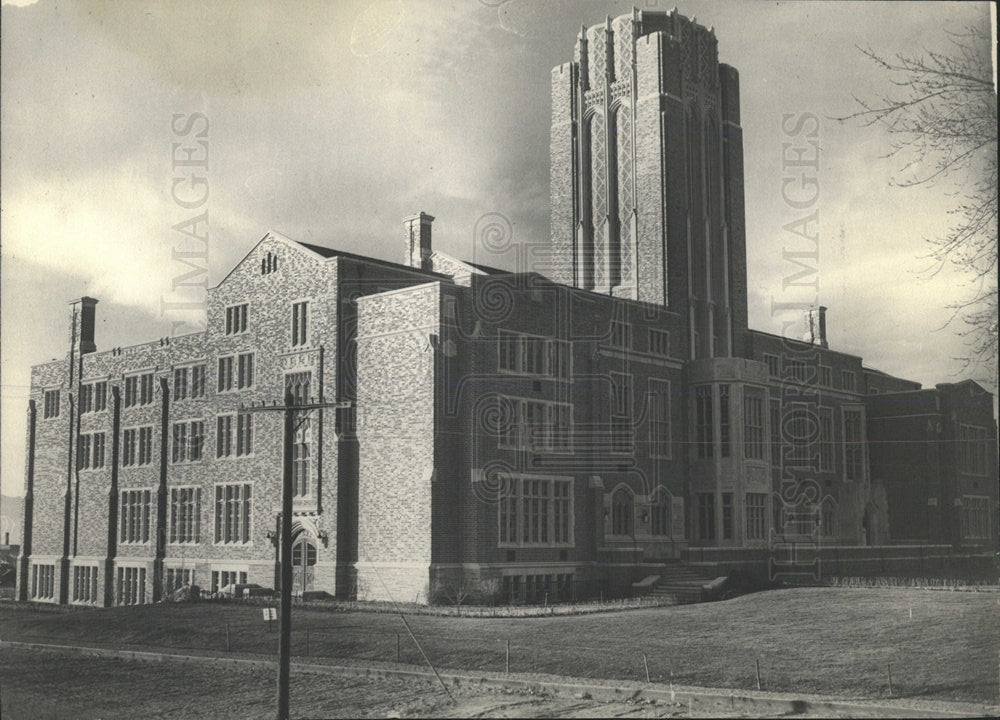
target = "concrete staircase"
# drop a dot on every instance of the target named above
(683, 583)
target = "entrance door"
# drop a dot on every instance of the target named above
(303, 561)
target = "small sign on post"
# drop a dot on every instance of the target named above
(270, 614)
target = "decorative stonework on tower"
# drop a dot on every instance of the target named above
(647, 173)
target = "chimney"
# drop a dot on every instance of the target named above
(82, 329)
(417, 235)
(816, 326)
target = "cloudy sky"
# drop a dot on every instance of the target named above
(330, 121)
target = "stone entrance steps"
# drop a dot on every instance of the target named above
(682, 583)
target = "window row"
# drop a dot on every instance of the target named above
(232, 512)
(535, 511)
(755, 516)
(808, 372)
(237, 316)
(532, 355)
(975, 517)
(534, 425)
(234, 438)
(623, 514)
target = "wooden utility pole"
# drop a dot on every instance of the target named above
(290, 409)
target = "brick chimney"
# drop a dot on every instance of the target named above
(417, 236)
(82, 329)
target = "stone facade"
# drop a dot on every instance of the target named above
(547, 434)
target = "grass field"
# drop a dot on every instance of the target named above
(940, 645)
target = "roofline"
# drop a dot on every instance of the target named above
(804, 342)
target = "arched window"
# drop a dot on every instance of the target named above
(828, 518)
(659, 515)
(621, 512)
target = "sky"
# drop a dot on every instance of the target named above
(331, 121)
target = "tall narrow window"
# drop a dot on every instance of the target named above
(753, 424)
(706, 516)
(180, 383)
(659, 418)
(703, 421)
(299, 312)
(775, 412)
(660, 515)
(724, 420)
(51, 404)
(727, 516)
(756, 516)
(826, 439)
(198, 381)
(185, 515)
(236, 319)
(622, 512)
(854, 449)
(133, 516)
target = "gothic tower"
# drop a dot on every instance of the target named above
(647, 174)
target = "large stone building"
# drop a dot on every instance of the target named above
(562, 430)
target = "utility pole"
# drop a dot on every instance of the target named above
(291, 408)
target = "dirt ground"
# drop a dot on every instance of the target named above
(40, 685)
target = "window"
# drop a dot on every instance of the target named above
(534, 425)
(51, 404)
(224, 578)
(43, 582)
(224, 443)
(873, 391)
(724, 420)
(301, 457)
(621, 334)
(133, 437)
(799, 428)
(84, 584)
(854, 449)
(94, 397)
(847, 380)
(536, 511)
(232, 513)
(659, 342)
(659, 515)
(145, 445)
(236, 372)
(185, 515)
(299, 311)
(298, 386)
(973, 446)
(772, 365)
(131, 585)
(706, 516)
(138, 389)
(178, 578)
(133, 516)
(188, 441)
(796, 369)
(703, 421)
(268, 264)
(775, 433)
(753, 423)
(189, 382)
(828, 519)
(622, 512)
(659, 418)
(90, 454)
(621, 393)
(826, 439)
(236, 319)
(756, 516)
(826, 376)
(975, 517)
(531, 355)
(727, 516)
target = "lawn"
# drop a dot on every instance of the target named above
(940, 645)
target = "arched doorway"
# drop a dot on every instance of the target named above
(303, 559)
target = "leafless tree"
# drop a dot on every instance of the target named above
(942, 122)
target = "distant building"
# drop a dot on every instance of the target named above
(553, 432)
